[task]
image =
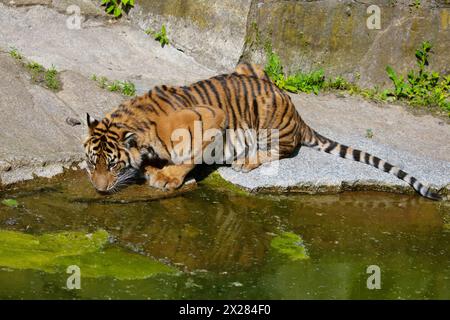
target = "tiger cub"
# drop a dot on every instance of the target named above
(124, 143)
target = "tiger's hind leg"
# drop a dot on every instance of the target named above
(169, 177)
(246, 164)
(260, 147)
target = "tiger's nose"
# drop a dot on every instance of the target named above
(101, 183)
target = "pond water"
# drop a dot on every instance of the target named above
(221, 242)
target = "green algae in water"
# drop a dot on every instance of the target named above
(10, 203)
(115, 263)
(73, 243)
(290, 245)
(54, 252)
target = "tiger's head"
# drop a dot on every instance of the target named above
(112, 156)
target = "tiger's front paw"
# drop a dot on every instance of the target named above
(163, 182)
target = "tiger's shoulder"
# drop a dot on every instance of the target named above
(251, 70)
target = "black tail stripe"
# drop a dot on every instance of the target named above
(331, 147)
(376, 162)
(356, 155)
(401, 174)
(367, 158)
(343, 151)
(387, 167)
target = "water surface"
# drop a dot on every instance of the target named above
(219, 240)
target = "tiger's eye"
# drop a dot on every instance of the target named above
(113, 165)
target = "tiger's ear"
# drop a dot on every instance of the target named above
(91, 122)
(130, 140)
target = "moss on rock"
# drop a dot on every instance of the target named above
(215, 180)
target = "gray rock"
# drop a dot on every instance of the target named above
(307, 35)
(85, 7)
(20, 3)
(116, 50)
(211, 31)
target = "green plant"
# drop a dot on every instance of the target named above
(128, 88)
(114, 86)
(39, 75)
(15, 54)
(421, 87)
(273, 67)
(35, 70)
(416, 4)
(103, 82)
(338, 83)
(117, 7)
(34, 66)
(125, 87)
(369, 133)
(51, 79)
(160, 36)
(298, 82)
(313, 81)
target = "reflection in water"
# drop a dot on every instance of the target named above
(200, 229)
(229, 235)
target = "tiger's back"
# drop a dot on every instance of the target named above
(247, 96)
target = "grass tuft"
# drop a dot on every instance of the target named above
(126, 88)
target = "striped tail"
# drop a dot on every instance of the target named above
(322, 143)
